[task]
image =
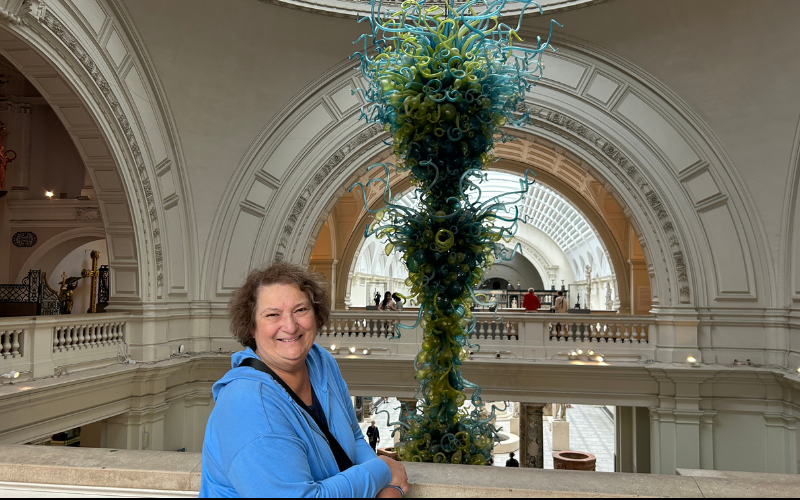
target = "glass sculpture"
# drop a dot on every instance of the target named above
(443, 81)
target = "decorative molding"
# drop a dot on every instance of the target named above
(634, 174)
(351, 9)
(24, 239)
(87, 213)
(49, 20)
(15, 107)
(290, 227)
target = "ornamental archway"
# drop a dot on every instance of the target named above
(83, 60)
(650, 152)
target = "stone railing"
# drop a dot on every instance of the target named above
(513, 334)
(60, 471)
(602, 329)
(88, 335)
(12, 343)
(38, 345)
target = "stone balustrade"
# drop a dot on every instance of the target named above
(513, 334)
(38, 345)
(56, 471)
(71, 337)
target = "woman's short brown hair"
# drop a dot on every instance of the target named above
(242, 308)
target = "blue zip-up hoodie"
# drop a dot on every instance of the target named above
(260, 443)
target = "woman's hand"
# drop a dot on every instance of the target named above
(399, 477)
(389, 493)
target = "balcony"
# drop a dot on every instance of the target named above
(504, 335)
(40, 471)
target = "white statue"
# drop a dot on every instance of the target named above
(609, 301)
(588, 304)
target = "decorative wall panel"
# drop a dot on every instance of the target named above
(723, 237)
(657, 129)
(314, 122)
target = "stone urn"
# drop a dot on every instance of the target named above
(388, 452)
(573, 460)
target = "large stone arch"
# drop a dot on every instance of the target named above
(87, 62)
(690, 212)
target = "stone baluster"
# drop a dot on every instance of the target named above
(645, 334)
(6, 344)
(55, 339)
(60, 335)
(512, 331)
(104, 332)
(627, 334)
(81, 336)
(635, 333)
(118, 332)
(15, 343)
(92, 335)
(381, 328)
(359, 328)
(323, 332)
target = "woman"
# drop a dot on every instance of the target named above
(388, 303)
(291, 433)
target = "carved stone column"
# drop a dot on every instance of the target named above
(531, 435)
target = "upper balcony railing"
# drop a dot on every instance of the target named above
(511, 334)
(39, 345)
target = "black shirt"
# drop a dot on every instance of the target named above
(373, 434)
(316, 409)
(512, 462)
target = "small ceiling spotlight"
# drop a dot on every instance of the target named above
(591, 353)
(365, 352)
(798, 370)
(12, 375)
(693, 361)
(580, 351)
(49, 194)
(333, 347)
(352, 350)
(600, 359)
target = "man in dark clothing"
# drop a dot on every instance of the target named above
(373, 435)
(512, 462)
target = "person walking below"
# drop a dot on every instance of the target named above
(373, 435)
(512, 462)
(530, 301)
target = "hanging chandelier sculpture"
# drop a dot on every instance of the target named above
(443, 80)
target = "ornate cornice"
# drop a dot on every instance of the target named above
(560, 122)
(50, 21)
(352, 9)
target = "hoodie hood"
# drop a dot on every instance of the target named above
(313, 362)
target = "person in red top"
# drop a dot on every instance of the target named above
(530, 301)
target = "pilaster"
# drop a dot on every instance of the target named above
(531, 435)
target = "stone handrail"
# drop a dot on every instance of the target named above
(37, 345)
(512, 334)
(163, 473)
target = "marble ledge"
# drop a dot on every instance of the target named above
(180, 472)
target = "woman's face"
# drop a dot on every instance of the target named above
(285, 326)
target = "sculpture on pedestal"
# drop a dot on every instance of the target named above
(443, 80)
(65, 293)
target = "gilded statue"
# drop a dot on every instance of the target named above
(68, 286)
